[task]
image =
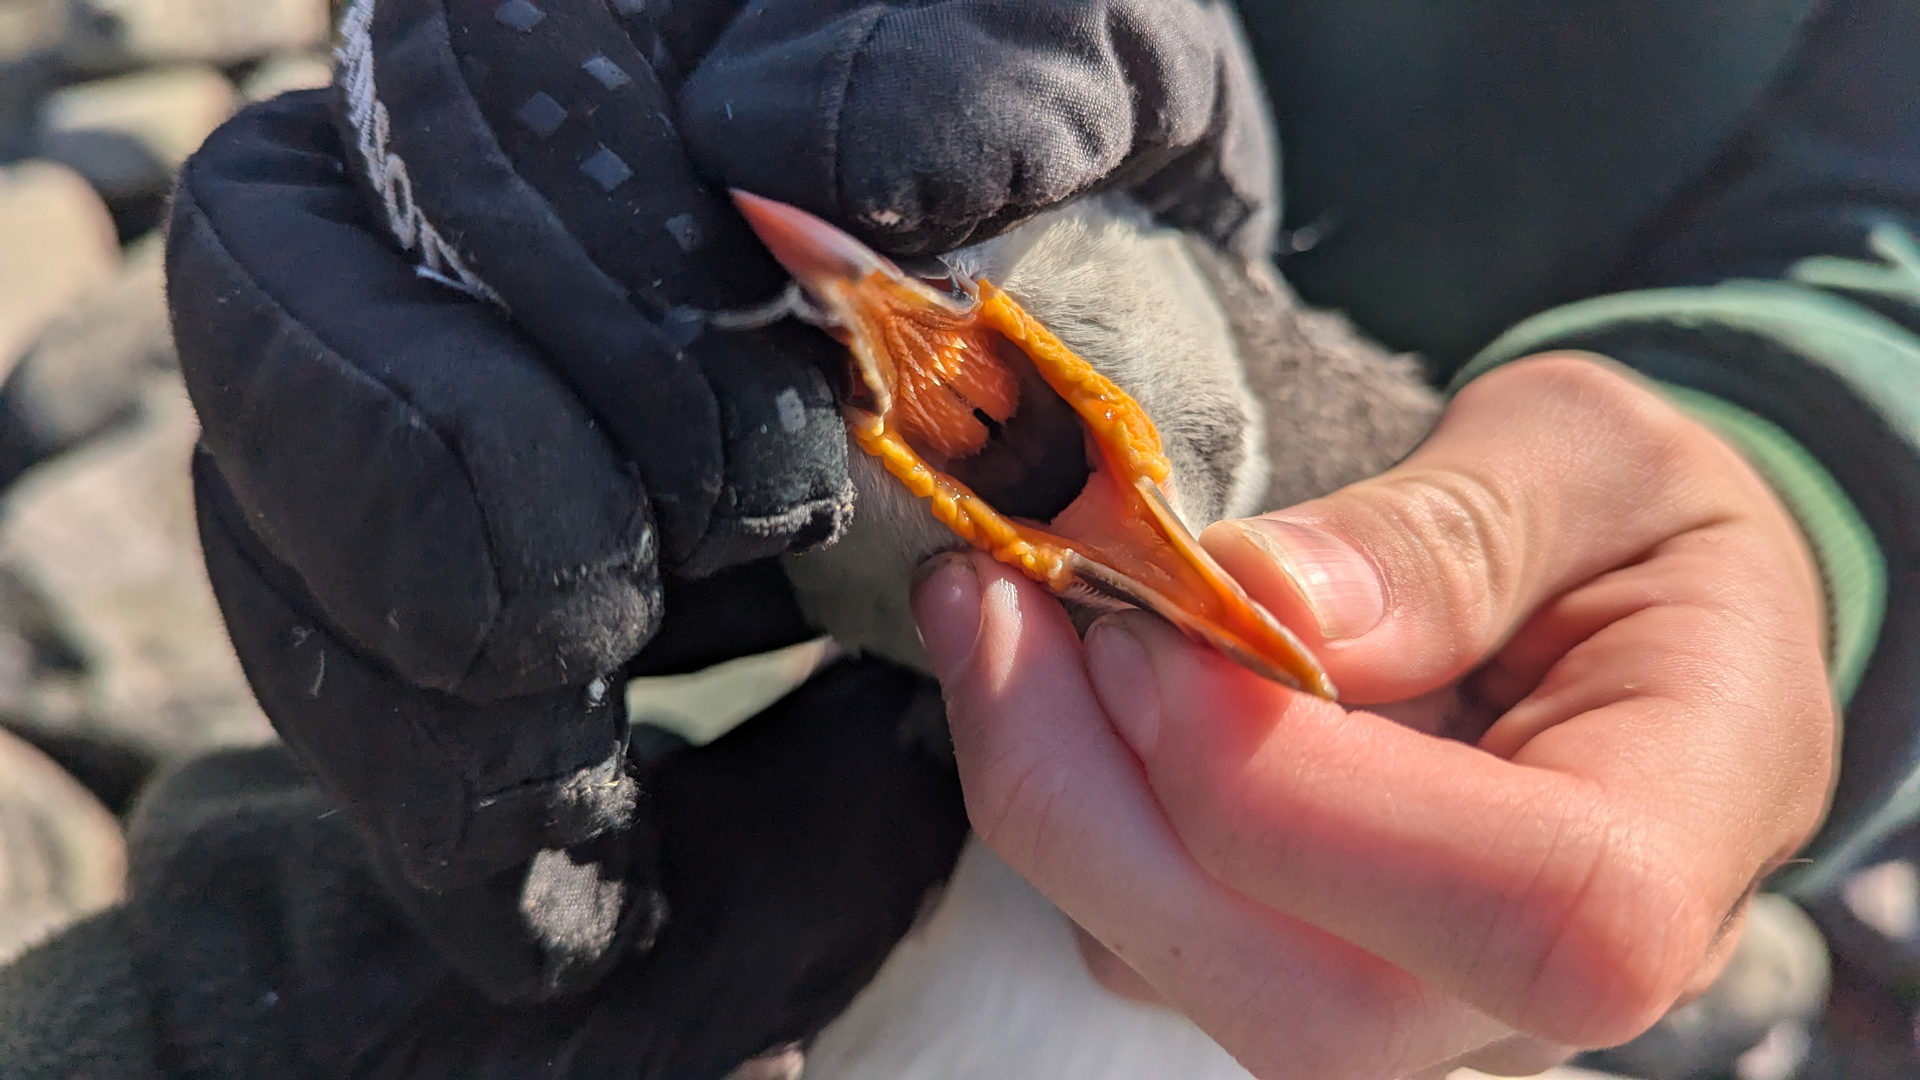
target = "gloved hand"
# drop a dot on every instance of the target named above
(924, 127)
(435, 558)
(257, 942)
(451, 487)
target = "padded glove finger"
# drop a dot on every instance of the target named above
(450, 791)
(795, 852)
(924, 127)
(528, 149)
(440, 493)
(508, 832)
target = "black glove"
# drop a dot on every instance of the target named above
(434, 562)
(438, 486)
(924, 127)
(256, 941)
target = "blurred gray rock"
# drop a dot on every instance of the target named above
(278, 75)
(22, 84)
(1774, 986)
(28, 27)
(1872, 920)
(1852, 1063)
(1886, 898)
(20, 90)
(106, 534)
(88, 368)
(64, 854)
(116, 35)
(59, 242)
(34, 647)
(17, 659)
(30, 32)
(128, 135)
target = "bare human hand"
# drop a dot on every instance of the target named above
(1600, 598)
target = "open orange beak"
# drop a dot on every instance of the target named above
(939, 376)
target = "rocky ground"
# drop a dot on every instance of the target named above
(112, 654)
(113, 658)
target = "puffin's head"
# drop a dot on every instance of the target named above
(1068, 396)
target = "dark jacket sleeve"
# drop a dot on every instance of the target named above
(1780, 302)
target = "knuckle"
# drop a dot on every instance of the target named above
(1256, 818)
(1587, 378)
(1229, 830)
(1621, 934)
(1398, 1023)
(1466, 535)
(1623, 417)
(1012, 807)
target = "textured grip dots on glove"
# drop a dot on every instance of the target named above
(542, 135)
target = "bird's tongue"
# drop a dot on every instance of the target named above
(942, 385)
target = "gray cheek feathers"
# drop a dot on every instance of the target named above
(857, 589)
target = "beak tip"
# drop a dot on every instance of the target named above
(810, 248)
(750, 204)
(767, 217)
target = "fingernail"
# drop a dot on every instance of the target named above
(1339, 584)
(946, 605)
(1124, 678)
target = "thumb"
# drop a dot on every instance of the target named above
(1541, 476)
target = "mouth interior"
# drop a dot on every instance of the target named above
(1026, 451)
(1035, 459)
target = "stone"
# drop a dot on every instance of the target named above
(1886, 897)
(1873, 920)
(106, 534)
(60, 241)
(86, 371)
(1771, 992)
(29, 28)
(30, 33)
(1866, 1033)
(64, 854)
(22, 84)
(1779, 1056)
(278, 75)
(34, 647)
(128, 135)
(118, 35)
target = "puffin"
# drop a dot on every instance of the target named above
(1078, 396)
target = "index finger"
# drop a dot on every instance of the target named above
(1054, 791)
(1573, 889)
